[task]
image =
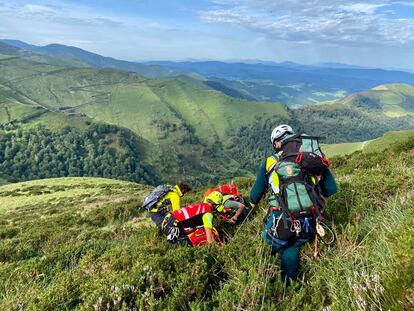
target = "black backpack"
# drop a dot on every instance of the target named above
(155, 195)
(306, 151)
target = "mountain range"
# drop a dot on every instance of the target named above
(172, 127)
(290, 83)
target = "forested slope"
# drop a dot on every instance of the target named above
(98, 150)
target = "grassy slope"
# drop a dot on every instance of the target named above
(187, 121)
(395, 100)
(7, 51)
(378, 144)
(332, 150)
(10, 111)
(29, 116)
(128, 100)
(83, 244)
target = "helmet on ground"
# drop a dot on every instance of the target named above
(280, 131)
(215, 198)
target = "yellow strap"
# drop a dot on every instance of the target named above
(270, 163)
(178, 190)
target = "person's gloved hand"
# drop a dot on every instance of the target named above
(233, 220)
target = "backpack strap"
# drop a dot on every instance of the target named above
(270, 164)
(316, 199)
(281, 198)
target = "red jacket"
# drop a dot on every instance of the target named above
(191, 216)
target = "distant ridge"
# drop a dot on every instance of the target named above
(293, 84)
(95, 60)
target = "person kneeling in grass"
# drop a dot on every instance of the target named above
(194, 222)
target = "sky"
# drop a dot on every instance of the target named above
(370, 33)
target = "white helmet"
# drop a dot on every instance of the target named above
(280, 131)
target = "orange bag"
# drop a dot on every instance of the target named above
(198, 237)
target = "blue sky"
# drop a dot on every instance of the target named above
(373, 33)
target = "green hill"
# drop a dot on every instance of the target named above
(362, 116)
(395, 100)
(82, 244)
(178, 120)
(378, 144)
(74, 54)
(129, 100)
(8, 52)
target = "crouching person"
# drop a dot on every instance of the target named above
(233, 208)
(163, 200)
(194, 222)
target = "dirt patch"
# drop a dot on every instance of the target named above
(380, 88)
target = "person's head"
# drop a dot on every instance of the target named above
(184, 187)
(215, 199)
(279, 133)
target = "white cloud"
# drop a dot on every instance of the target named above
(34, 8)
(56, 14)
(353, 22)
(364, 32)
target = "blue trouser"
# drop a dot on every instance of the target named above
(287, 243)
(289, 259)
(157, 218)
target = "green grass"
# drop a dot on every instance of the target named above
(342, 149)
(131, 101)
(83, 244)
(388, 139)
(12, 110)
(375, 145)
(71, 188)
(395, 100)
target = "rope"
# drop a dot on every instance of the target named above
(316, 252)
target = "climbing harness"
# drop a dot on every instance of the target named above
(296, 227)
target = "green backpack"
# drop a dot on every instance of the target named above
(300, 162)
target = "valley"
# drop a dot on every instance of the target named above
(177, 127)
